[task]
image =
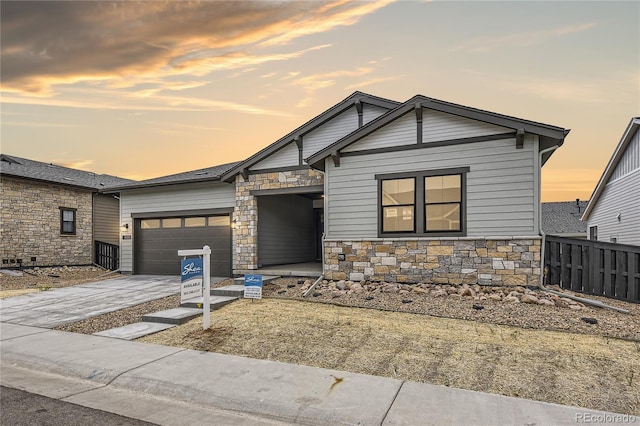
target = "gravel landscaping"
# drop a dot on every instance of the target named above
(516, 306)
(52, 277)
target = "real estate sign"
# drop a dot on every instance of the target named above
(191, 279)
(253, 286)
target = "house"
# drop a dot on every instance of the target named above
(562, 219)
(613, 212)
(382, 190)
(54, 215)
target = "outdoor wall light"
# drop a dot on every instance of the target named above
(234, 224)
(125, 227)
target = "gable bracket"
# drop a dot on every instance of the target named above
(358, 104)
(520, 139)
(418, 110)
(335, 156)
(245, 174)
(298, 142)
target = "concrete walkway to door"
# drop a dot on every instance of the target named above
(52, 308)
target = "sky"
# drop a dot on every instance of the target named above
(146, 89)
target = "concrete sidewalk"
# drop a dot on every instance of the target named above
(172, 386)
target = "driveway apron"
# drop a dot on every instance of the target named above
(60, 306)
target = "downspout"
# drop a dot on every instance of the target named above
(320, 278)
(542, 250)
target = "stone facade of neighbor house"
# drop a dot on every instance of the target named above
(245, 215)
(31, 223)
(500, 261)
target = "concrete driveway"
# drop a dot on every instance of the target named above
(61, 306)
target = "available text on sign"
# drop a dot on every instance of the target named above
(191, 279)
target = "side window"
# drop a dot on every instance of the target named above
(67, 221)
(398, 205)
(593, 233)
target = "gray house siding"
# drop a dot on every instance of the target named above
(621, 197)
(285, 230)
(339, 126)
(106, 219)
(371, 112)
(439, 126)
(175, 198)
(399, 132)
(501, 187)
(285, 157)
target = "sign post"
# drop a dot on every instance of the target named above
(191, 266)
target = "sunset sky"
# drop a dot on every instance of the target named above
(145, 89)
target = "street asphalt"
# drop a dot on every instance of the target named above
(174, 386)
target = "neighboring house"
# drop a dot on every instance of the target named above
(53, 215)
(613, 212)
(562, 219)
(413, 191)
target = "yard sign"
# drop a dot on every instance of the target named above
(253, 286)
(191, 279)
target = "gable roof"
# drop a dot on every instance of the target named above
(315, 122)
(627, 136)
(564, 218)
(208, 174)
(13, 166)
(555, 135)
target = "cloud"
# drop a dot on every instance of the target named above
(45, 44)
(523, 39)
(314, 82)
(369, 82)
(74, 164)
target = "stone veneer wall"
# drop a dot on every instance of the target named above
(443, 261)
(31, 223)
(245, 234)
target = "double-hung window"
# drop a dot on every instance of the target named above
(426, 203)
(67, 221)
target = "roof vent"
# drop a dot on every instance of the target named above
(67, 178)
(201, 173)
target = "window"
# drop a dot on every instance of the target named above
(442, 199)
(150, 223)
(172, 223)
(428, 203)
(593, 233)
(398, 205)
(192, 222)
(219, 221)
(67, 221)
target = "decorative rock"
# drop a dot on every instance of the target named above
(439, 293)
(589, 320)
(452, 290)
(466, 292)
(477, 307)
(368, 298)
(520, 289)
(291, 285)
(546, 302)
(496, 296)
(528, 298)
(575, 307)
(341, 285)
(511, 299)
(407, 301)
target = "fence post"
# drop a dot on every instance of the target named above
(206, 266)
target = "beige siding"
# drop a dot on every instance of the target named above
(106, 219)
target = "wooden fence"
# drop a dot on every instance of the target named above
(594, 267)
(107, 255)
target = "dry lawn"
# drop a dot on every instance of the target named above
(565, 368)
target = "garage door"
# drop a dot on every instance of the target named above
(157, 241)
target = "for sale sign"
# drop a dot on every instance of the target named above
(191, 279)
(253, 286)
